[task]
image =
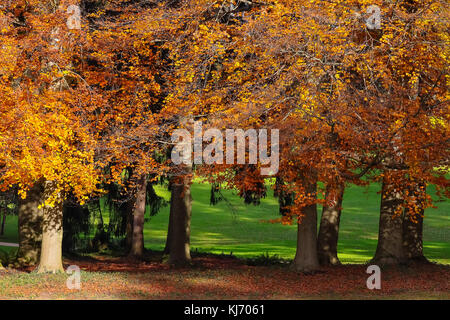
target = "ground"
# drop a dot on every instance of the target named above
(221, 277)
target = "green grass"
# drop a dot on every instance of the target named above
(238, 229)
(11, 234)
(218, 229)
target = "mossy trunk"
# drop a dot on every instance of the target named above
(329, 226)
(390, 236)
(30, 222)
(306, 259)
(52, 234)
(137, 242)
(180, 210)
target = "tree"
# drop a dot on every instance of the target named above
(416, 126)
(86, 101)
(30, 226)
(44, 139)
(413, 225)
(329, 226)
(348, 101)
(52, 233)
(228, 61)
(137, 242)
(390, 244)
(306, 258)
(180, 219)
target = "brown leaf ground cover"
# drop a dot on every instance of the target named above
(216, 277)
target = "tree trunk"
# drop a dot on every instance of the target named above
(137, 243)
(306, 259)
(169, 234)
(51, 249)
(329, 226)
(390, 244)
(413, 227)
(180, 209)
(2, 230)
(30, 226)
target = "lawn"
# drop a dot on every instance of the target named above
(11, 234)
(233, 227)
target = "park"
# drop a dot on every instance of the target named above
(238, 240)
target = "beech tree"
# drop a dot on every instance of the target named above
(340, 93)
(47, 142)
(77, 122)
(30, 226)
(327, 239)
(88, 106)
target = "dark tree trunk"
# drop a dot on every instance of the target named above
(169, 234)
(2, 230)
(329, 226)
(390, 243)
(413, 228)
(306, 259)
(180, 209)
(30, 226)
(137, 242)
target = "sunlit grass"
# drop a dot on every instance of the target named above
(238, 228)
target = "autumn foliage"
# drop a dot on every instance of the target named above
(352, 104)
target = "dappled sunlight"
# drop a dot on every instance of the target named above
(223, 278)
(217, 229)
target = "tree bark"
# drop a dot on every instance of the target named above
(169, 234)
(2, 230)
(390, 244)
(30, 226)
(51, 249)
(329, 226)
(306, 259)
(413, 227)
(180, 209)
(137, 243)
